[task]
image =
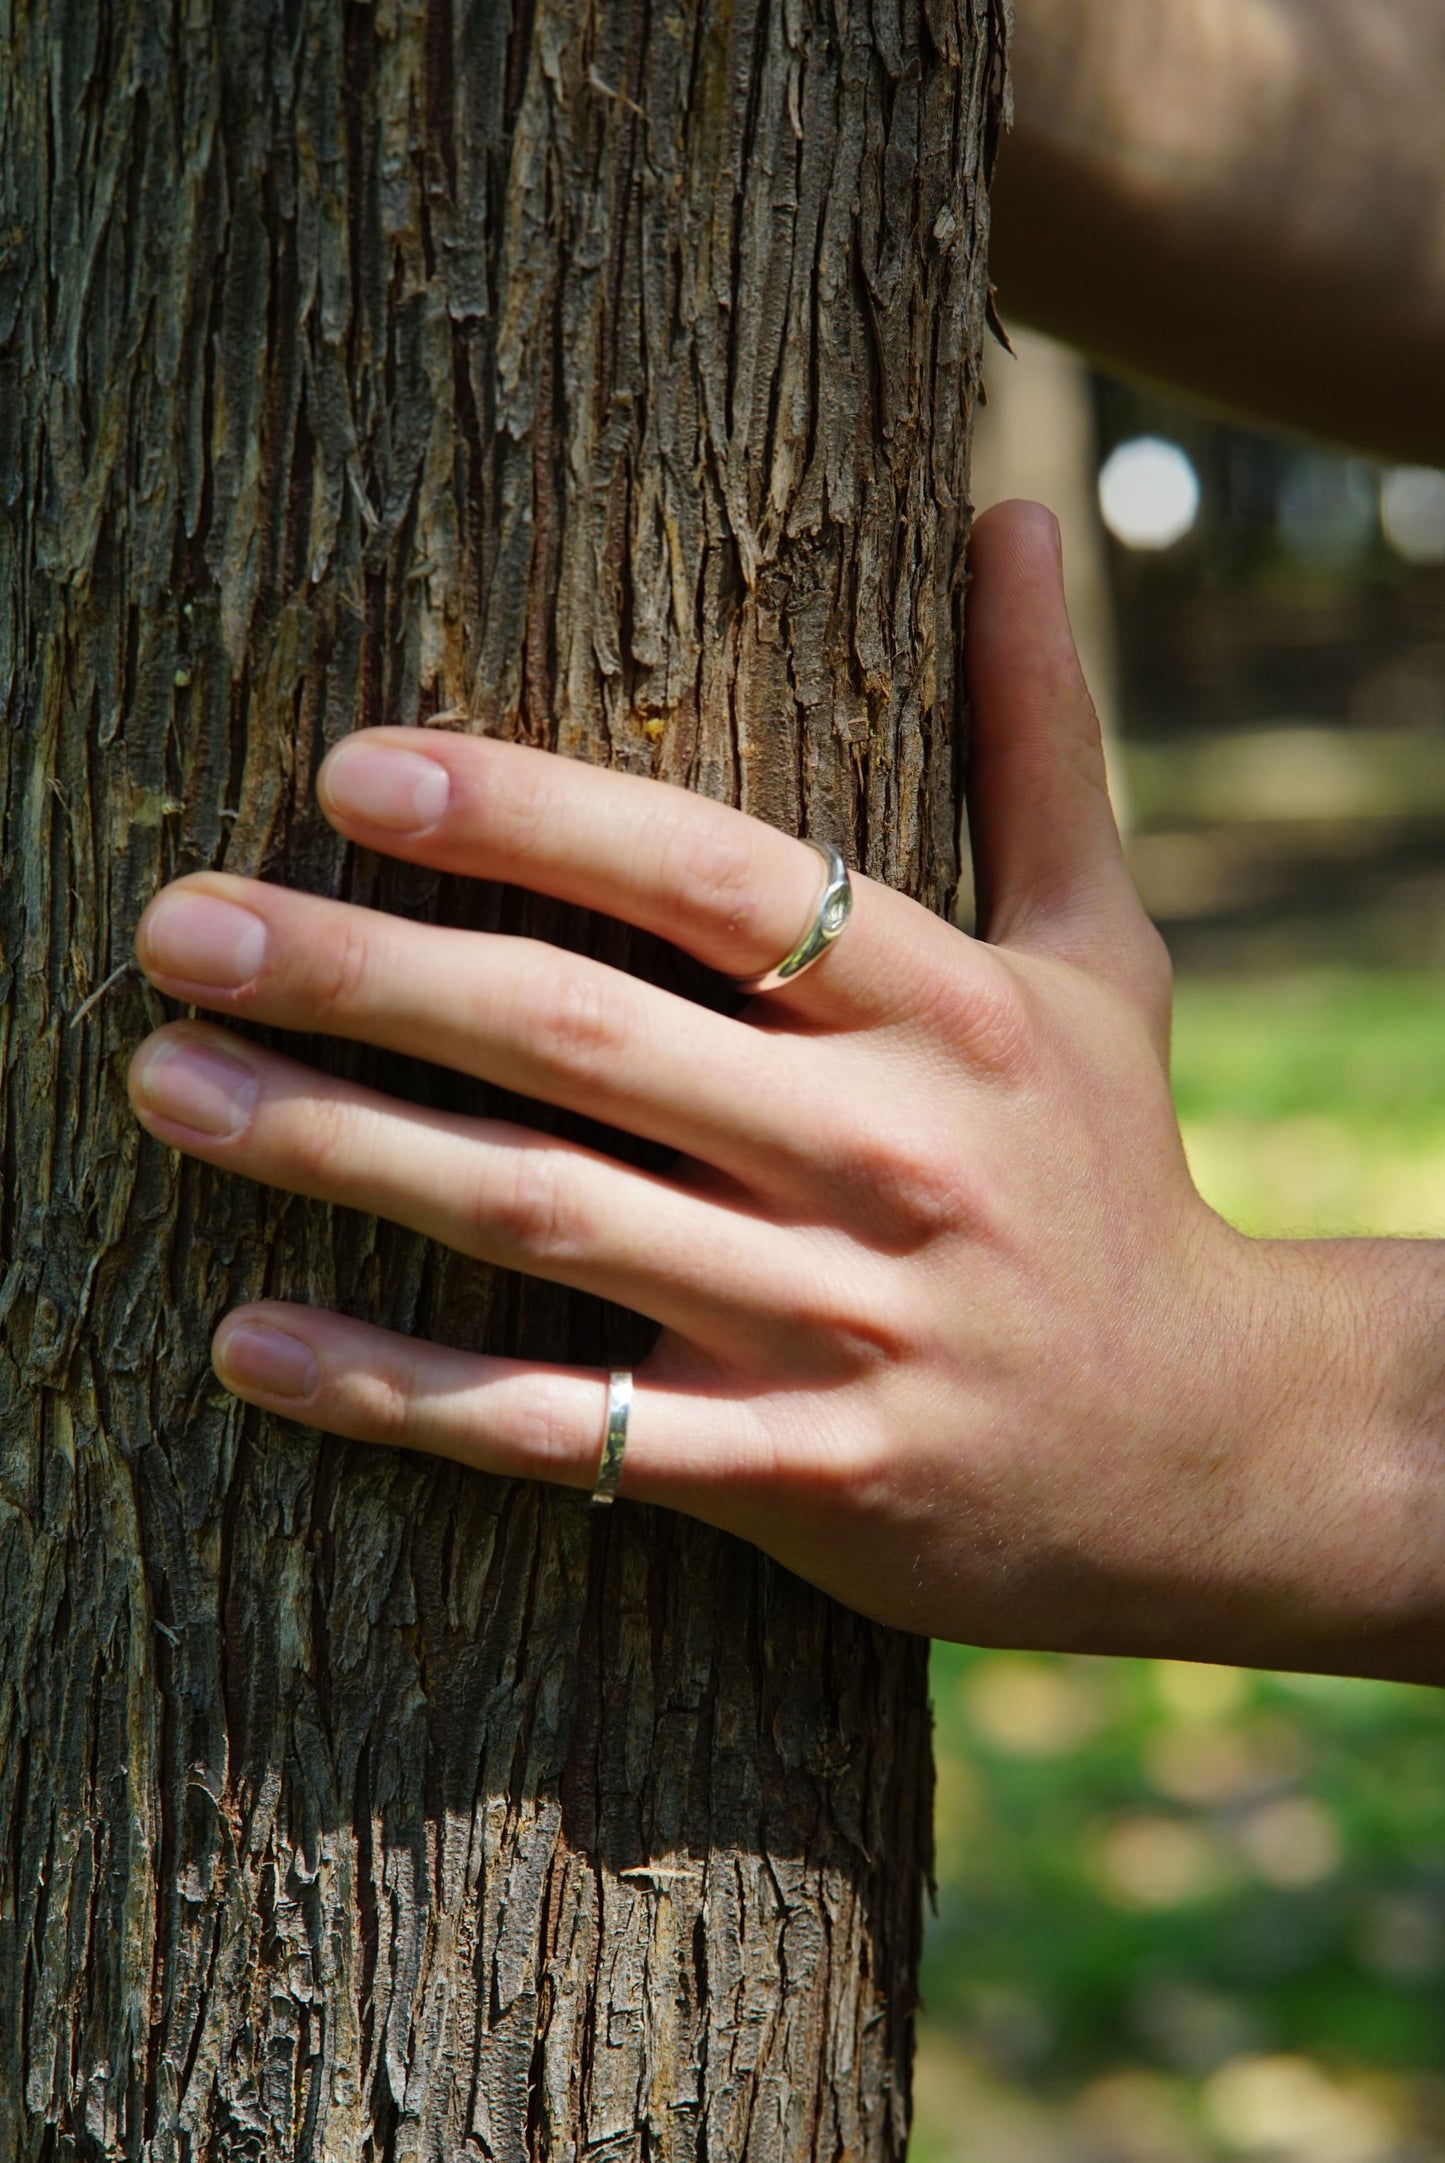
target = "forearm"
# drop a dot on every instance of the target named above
(1245, 198)
(1337, 1552)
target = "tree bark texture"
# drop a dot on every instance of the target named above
(596, 373)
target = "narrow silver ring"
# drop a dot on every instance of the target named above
(614, 1439)
(835, 905)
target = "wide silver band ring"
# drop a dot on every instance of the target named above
(614, 1439)
(835, 905)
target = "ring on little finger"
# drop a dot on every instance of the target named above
(614, 1438)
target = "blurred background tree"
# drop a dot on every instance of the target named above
(1187, 1913)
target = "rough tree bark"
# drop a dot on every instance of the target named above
(601, 372)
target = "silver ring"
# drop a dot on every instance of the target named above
(835, 905)
(614, 1439)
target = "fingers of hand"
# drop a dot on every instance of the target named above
(778, 1113)
(547, 1024)
(1050, 865)
(731, 891)
(485, 1188)
(496, 1415)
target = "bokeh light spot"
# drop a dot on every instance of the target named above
(1288, 2108)
(1193, 1690)
(1158, 1862)
(1412, 512)
(1149, 493)
(1291, 1842)
(1032, 1708)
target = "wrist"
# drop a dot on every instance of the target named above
(1342, 1456)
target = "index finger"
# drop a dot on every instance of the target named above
(732, 892)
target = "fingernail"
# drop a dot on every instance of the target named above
(265, 1362)
(196, 1087)
(382, 785)
(202, 940)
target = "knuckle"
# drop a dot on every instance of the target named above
(340, 966)
(576, 1027)
(860, 1464)
(836, 1465)
(1084, 750)
(534, 1209)
(908, 1187)
(385, 1404)
(981, 1010)
(546, 1430)
(321, 1147)
(712, 868)
(1154, 970)
(1000, 1024)
(928, 1193)
(857, 1316)
(519, 811)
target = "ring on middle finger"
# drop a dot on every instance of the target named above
(824, 926)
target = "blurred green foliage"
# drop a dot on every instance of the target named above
(1363, 1048)
(1188, 1912)
(1315, 1103)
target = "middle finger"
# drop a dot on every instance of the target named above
(531, 1018)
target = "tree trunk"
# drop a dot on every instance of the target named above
(601, 373)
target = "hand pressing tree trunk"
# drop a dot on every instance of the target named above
(599, 377)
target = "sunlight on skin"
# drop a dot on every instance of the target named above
(989, 1368)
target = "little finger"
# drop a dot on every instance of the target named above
(495, 1415)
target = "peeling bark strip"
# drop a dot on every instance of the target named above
(602, 370)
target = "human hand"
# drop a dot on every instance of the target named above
(945, 1326)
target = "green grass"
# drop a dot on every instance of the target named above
(1366, 1050)
(1316, 1103)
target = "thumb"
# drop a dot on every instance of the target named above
(1047, 856)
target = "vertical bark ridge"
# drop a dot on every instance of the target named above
(600, 375)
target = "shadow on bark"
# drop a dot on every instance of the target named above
(604, 373)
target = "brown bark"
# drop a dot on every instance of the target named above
(603, 372)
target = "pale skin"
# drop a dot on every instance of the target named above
(946, 1327)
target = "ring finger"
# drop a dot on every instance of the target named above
(483, 1187)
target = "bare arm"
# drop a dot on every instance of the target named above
(1245, 198)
